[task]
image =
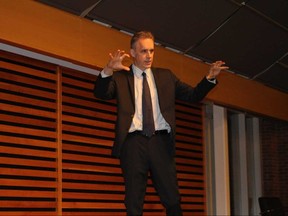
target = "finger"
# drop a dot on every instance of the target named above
(219, 63)
(120, 53)
(117, 54)
(126, 68)
(125, 55)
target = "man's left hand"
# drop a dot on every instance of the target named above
(215, 69)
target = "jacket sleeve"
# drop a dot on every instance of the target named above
(193, 94)
(105, 88)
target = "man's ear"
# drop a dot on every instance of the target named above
(132, 52)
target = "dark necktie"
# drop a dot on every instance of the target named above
(147, 111)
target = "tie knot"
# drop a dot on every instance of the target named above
(144, 74)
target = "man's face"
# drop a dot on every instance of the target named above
(143, 53)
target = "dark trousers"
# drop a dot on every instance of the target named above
(141, 155)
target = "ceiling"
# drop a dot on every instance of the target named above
(250, 36)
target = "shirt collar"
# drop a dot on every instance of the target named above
(138, 72)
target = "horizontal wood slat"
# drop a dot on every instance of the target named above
(27, 121)
(28, 101)
(93, 205)
(194, 155)
(90, 158)
(83, 93)
(28, 131)
(186, 138)
(14, 88)
(88, 121)
(88, 140)
(94, 213)
(184, 124)
(27, 183)
(93, 187)
(27, 204)
(28, 141)
(88, 149)
(89, 104)
(189, 161)
(87, 131)
(92, 177)
(90, 167)
(93, 196)
(33, 83)
(28, 111)
(26, 195)
(27, 162)
(30, 213)
(19, 173)
(189, 146)
(189, 117)
(70, 76)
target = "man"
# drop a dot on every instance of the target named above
(145, 128)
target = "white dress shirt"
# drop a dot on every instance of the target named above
(159, 121)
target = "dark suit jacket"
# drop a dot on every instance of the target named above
(121, 86)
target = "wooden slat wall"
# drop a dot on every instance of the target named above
(190, 158)
(27, 137)
(56, 140)
(92, 182)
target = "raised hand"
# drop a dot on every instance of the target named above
(215, 69)
(115, 62)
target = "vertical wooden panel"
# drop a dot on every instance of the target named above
(92, 181)
(59, 141)
(27, 137)
(190, 158)
(56, 140)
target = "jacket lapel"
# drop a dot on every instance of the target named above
(131, 86)
(157, 83)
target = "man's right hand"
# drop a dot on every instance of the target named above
(115, 62)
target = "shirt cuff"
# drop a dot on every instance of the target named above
(103, 75)
(213, 80)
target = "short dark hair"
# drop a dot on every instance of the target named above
(140, 35)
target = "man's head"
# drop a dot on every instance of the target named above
(142, 49)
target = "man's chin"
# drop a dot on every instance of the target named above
(148, 66)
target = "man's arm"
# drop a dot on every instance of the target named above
(187, 93)
(104, 88)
